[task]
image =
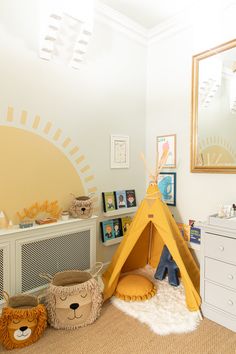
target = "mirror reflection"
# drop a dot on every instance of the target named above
(214, 110)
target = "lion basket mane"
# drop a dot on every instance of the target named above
(87, 284)
(17, 315)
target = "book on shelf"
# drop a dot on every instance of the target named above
(195, 235)
(109, 201)
(131, 198)
(111, 229)
(126, 221)
(121, 200)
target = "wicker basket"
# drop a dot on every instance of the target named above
(81, 207)
(73, 299)
(23, 321)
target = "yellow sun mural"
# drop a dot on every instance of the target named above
(38, 163)
(216, 151)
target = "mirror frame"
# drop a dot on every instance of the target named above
(194, 117)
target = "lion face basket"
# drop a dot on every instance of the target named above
(73, 299)
(22, 322)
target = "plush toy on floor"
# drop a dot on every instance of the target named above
(22, 322)
(167, 266)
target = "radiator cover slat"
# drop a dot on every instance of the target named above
(51, 255)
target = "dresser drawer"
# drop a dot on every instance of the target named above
(220, 272)
(220, 297)
(219, 247)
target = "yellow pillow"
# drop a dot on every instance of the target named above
(135, 287)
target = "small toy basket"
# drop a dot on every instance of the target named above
(73, 299)
(81, 207)
(22, 322)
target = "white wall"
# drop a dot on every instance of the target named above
(169, 112)
(106, 96)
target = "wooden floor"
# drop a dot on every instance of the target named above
(116, 333)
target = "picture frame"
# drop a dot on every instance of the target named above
(119, 151)
(167, 186)
(167, 141)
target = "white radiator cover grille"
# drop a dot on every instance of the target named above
(51, 255)
(1, 274)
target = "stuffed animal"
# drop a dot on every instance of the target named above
(22, 322)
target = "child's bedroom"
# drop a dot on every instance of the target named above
(118, 174)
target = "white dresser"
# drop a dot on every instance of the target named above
(218, 273)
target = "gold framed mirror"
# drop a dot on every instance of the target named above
(213, 129)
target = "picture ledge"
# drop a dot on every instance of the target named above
(120, 211)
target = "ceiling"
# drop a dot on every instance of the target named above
(149, 13)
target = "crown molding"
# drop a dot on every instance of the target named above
(124, 24)
(146, 37)
(168, 28)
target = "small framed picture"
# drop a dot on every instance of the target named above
(107, 228)
(131, 198)
(117, 228)
(109, 201)
(167, 186)
(119, 151)
(121, 201)
(167, 143)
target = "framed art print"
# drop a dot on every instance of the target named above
(167, 143)
(119, 151)
(167, 186)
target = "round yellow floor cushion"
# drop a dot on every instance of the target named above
(135, 287)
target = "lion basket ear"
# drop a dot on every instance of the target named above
(13, 318)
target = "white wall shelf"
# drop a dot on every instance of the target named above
(114, 241)
(120, 211)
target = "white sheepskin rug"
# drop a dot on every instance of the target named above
(164, 313)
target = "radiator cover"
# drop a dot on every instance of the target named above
(52, 255)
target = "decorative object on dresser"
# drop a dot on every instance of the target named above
(3, 220)
(218, 271)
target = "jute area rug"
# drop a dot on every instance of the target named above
(116, 333)
(164, 313)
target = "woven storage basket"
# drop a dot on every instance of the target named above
(22, 322)
(81, 207)
(73, 299)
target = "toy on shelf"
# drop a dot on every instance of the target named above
(81, 207)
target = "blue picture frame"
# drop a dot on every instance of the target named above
(167, 186)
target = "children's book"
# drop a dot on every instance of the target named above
(107, 227)
(131, 198)
(126, 221)
(109, 201)
(121, 201)
(117, 228)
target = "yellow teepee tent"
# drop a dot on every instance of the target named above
(153, 227)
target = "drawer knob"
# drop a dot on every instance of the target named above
(230, 302)
(221, 248)
(230, 276)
